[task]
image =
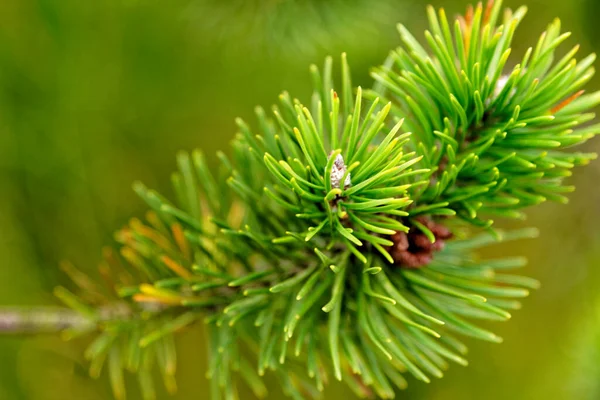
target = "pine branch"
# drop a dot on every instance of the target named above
(336, 243)
(501, 134)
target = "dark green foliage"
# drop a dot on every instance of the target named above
(297, 254)
(271, 27)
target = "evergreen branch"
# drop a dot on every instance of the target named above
(498, 137)
(334, 242)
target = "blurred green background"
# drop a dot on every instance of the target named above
(97, 94)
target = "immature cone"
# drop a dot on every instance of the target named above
(338, 171)
(414, 249)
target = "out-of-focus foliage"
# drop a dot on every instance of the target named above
(291, 29)
(96, 94)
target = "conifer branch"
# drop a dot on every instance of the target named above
(336, 243)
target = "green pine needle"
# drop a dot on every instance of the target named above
(341, 236)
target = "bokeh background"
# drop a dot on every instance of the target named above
(97, 94)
